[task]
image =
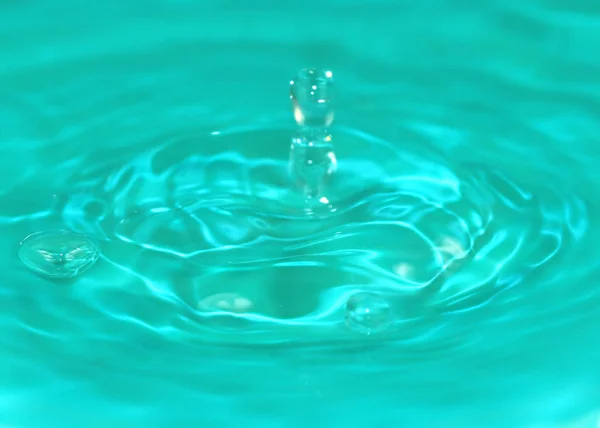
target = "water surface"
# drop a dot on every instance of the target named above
(465, 197)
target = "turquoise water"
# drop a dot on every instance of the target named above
(463, 210)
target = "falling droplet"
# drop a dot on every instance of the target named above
(58, 254)
(368, 313)
(312, 162)
(312, 94)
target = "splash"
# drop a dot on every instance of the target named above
(312, 157)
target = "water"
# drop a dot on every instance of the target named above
(312, 164)
(464, 195)
(312, 95)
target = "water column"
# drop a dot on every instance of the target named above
(312, 159)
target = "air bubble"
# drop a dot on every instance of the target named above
(58, 254)
(368, 313)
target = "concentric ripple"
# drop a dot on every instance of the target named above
(210, 221)
(223, 236)
(447, 276)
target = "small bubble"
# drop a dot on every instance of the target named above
(58, 254)
(312, 94)
(368, 313)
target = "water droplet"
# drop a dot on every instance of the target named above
(58, 254)
(368, 313)
(312, 93)
(312, 161)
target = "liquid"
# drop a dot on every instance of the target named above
(464, 194)
(312, 157)
(312, 95)
(312, 163)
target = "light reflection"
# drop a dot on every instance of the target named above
(311, 93)
(228, 302)
(448, 250)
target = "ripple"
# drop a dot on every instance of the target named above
(213, 209)
(456, 201)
